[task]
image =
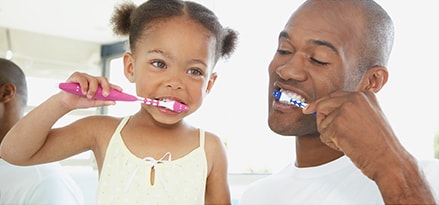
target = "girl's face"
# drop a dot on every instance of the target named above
(173, 60)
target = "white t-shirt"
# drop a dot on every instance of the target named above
(39, 184)
(338, 182)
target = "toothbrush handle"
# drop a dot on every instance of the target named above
(114, 95)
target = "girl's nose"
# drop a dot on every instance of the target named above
(174, 83)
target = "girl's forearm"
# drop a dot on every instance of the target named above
(29, 134)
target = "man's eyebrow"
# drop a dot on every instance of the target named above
(324, 43)
(284, 34)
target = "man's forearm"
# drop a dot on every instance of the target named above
(405, 184)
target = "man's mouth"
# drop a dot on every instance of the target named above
(287, 95)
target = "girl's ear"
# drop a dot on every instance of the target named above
(128, 65)
(211, 82)
(374, 79)
(7, 92)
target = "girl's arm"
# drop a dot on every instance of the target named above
(32, 139)
(217, 187)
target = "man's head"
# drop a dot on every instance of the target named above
(13, 94)
(328, 45)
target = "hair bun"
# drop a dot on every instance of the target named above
(229, 42)
(121, 19)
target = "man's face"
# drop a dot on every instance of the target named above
(315, 57)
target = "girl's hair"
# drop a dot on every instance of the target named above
(128, 19)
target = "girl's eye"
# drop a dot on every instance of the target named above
(158, 64)
(315, 61)
(195, 72)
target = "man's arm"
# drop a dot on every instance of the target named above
(353, 122)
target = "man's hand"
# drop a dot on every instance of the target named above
(354, 123)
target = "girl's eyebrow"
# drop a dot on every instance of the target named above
(169, 56)
(198, 61)
(158, 51)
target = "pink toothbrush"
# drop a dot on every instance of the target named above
(121, 96)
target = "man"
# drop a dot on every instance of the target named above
(333, 55)
(42, 184)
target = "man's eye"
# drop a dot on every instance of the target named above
(195, 72)
(159, 64)
(315, 61)
(283, 52)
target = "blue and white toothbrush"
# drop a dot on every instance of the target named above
(282, 97)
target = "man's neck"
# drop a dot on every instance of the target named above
(311, 151)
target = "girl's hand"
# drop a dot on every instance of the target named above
(89, 85)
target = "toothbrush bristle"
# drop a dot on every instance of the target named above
(282, 97)
(168, 104)
(277, 94)
(173, 105)
(179, 107)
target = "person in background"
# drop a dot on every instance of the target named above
(152, 156)
(38, 184)
(332, 55)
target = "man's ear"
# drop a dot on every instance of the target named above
(128, 65)
(374, 79)
(7, 92)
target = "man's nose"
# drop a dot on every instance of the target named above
(294, 69)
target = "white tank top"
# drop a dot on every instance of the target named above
(126, 179)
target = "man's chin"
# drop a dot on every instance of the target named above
(288, 129)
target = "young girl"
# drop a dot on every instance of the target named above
(153, 156)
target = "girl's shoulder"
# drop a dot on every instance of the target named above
(99, 129)
(215, 154)
(211, 138)
(213, 143)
